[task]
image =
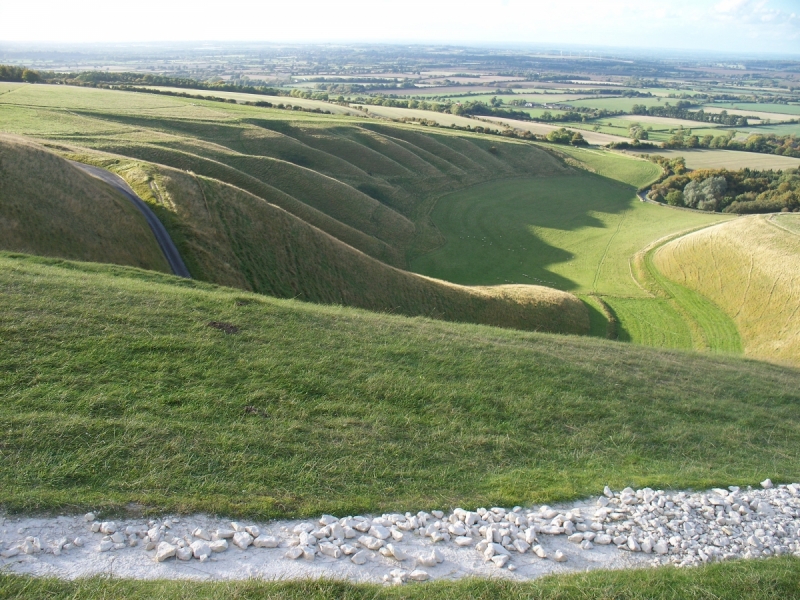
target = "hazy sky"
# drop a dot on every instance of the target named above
(725, 25)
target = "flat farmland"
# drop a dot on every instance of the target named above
(625, 104)
(729, 159)
(663, 122)
(542, 129)
(761, 115)
(783, 109)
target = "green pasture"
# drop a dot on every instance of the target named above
(786, 109)
(625, 104)
(116, 390)
(578, 233)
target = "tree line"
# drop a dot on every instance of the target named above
(741, 192)
(681, 111)
(19, 74)
(786, 145)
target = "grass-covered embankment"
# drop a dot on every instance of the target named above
(116, 390)
(48, 207)
(750, 269)
(773, 579)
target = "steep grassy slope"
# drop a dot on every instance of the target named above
(749, 268)
(234, 238)
(49, 207)
(116, 390)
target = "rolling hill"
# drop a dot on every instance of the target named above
(749, 268)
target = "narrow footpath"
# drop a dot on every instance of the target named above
(159, 231)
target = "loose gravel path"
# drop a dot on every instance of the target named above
(627, 529)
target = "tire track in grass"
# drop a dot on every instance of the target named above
(712, 329)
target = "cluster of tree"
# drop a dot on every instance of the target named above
(565, 136)
(744, 191)
(634, 145)
(680, 111)
(786, 145)
(362, 88)
(21, 74)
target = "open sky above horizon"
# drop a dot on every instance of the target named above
(749, 26)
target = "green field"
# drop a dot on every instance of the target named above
(625, 104)
(115, 390)
(578, 234)
(786, 109)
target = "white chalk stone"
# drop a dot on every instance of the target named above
(165, 551)
(266, 541)
(242, 539)
(419, 575)
(218, 545)
(559, 556)
(360, 557)
(380, 532)
(294, 553)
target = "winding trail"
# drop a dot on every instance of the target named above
(159, 231)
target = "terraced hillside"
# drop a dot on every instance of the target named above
(50, 208)
(311, 208)
(750, 269)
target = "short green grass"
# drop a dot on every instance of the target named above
(577, 233)
(773, 579)
(116, 390)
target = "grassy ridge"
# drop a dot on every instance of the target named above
(234, 238)
(345, 186)
(115, 390)
(49, 207)
(748, 268)
(757, 580)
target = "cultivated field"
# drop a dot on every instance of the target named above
(749, 268)
(784, 109)
(543, 129)
(746, 112)
(729, 159)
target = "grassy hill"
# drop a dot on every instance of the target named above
(749, 268)
(50, 208)
(116, 390)
(277, 207)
